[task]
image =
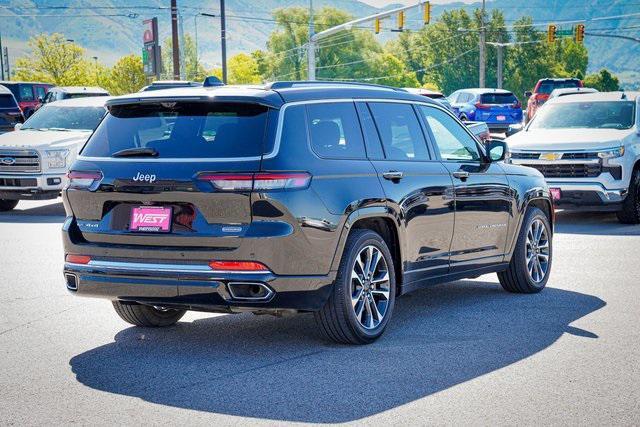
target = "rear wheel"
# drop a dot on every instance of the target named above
(630, 213)
(530, 265)
(7, 205)
(359, 308)
(146, 315)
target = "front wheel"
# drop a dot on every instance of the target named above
(630, 213)
(7, 205)
(530, 265)
(360, 305)
(147, 315)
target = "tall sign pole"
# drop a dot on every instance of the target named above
(483, 46)
(311, 47)
(175, 43)
(151, 61)
(223, 41)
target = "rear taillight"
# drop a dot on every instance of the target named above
(262, 181)
(238, 266)
(517, 105)
(82, 179)
(481, 106)
(78, 259)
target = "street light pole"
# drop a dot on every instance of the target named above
(500, 61)
(311, 47)
(195, 20)
(174, 40)
(483, 38)
(223, 41)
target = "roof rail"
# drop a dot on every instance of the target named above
(296, 83)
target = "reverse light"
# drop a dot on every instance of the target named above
(83, 179)
(238, 266)
(611, 153)
(56, 159)
(262, 181)
(78, 259)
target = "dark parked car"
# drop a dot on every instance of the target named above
(296, 196)
(10, 113)
(498, 108)
(28, 94)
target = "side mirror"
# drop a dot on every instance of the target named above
(528, 94)
(497, 150)
(17, 126)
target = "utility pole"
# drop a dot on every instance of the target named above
(223, 41)
(500, 61)
(183, 71)
(311, 47)
(1, 60)
(174, 40)
(6, 58)
(483, 37)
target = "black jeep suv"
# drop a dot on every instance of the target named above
(294, 197)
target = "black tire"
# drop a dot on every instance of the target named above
(7, 205)
(337, 319)
(517, 278)
(630, 212)
(146, 315)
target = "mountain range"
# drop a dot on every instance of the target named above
(109, 29)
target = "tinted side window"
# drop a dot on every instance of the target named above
(453, 142)
(40, 92)
(399, 131)
(335, 130)
(26, 93)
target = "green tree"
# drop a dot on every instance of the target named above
(53, 59)
(604, 81)
(126, 76)
(194, 70)
(243, 69)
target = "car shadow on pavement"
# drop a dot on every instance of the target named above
(282, 369)
(593, 223)
(51, 213)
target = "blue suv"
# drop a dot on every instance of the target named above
(497, 107)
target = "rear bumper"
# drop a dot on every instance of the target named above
(194, 286)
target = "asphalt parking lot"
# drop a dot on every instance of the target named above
(464, 352)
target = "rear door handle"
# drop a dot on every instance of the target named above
(393, 175)
(461, 175)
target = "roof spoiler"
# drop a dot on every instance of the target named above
(212, 81)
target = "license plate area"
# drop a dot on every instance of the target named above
(556, 193)
(501, 118)
(151, 219)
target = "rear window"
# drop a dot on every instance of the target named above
(6, 101)
(548, 86)
(82, 95)
(498, 98)
(182, 130)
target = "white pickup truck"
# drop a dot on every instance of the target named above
(34, 160)
(588, 148)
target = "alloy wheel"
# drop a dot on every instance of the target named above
(537, 251)
(370, 287)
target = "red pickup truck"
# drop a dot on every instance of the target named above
(541, 93)
(28, 94)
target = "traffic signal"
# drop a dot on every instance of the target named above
(427, 12)
(551, 33)
(377, 25)
(401, 20)
(579, 33)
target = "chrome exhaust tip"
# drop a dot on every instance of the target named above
(71, 281)
(247, 291)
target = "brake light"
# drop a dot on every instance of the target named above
(261, 181)
(481, 106)
(78, 259)
(81, 179)
(237, 266)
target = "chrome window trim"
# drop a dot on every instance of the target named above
(278, 138)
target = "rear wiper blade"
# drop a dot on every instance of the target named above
(136, 152)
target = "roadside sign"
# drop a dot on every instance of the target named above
(151, 50)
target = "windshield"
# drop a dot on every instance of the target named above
(549, 86)
(65, 118)
(587, 115)
(498, 98)
(182, 130)
(6, 101)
